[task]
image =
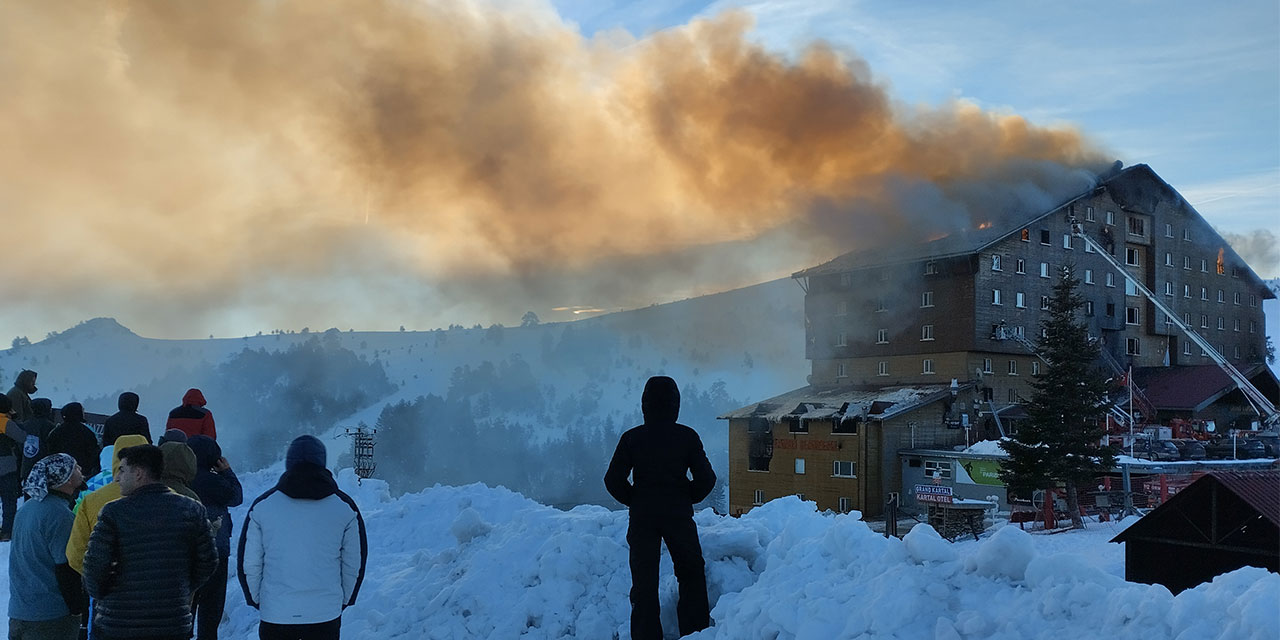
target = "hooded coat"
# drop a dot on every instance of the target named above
(218, 490)
(38, 429)
(91, 505)
(126, 420)
(192, 418)
(179, 468)
(20, 395)
(76, 439)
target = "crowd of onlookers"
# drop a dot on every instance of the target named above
(118, 537)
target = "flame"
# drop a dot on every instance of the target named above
(1222, 268)
(984, 226)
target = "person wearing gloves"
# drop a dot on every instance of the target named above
(302, 550)
(45, 600)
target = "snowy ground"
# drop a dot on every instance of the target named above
(477, 562)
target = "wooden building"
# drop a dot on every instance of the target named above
(837, 445)
(1221, 522)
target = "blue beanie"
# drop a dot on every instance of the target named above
(307, 449)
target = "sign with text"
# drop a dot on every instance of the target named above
(933, 493)
(806, 445)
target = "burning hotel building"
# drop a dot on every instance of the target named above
(933, 345)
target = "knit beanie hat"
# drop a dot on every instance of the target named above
(307, 449)
(173, 435)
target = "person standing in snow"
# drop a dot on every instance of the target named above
(11, 438)
(149, 552)
(219, 489)
(126, 420)
(74, 437)
(302, 550)
(44, 593)
(192, 418)
(20, 395)
(38, 429)
(179, 468)
(659, 455)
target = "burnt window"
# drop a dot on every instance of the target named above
(1044, 236)
(847, 426)
(759, 444)
(1111, 309)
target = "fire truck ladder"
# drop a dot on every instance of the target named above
(1261, 405)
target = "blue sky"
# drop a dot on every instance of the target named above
(1192, 89)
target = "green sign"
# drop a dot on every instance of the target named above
(983, 471)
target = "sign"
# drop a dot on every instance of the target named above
(983, 471)
(933, 493)
(806, 445)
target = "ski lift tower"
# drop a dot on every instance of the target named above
(362, 442)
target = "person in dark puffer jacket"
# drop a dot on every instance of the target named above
(219, 489)
(149, 552)
(76, 439)
(126, 420)
(38, 429)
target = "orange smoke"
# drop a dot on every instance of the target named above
(195, 147)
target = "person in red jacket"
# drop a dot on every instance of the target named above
(192, 418)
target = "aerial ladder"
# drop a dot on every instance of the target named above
(1266, 411)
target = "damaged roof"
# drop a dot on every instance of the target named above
(842, 402)
(1189, 387)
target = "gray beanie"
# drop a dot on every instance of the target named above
(307, 449)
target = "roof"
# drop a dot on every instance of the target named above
(1259, 489)
(1124, 185)
(1188, 387)
(844, 401)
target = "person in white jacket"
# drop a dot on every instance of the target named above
(302, 550)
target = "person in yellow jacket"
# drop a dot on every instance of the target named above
(92, 503)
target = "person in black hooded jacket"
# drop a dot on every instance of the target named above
(38, 429)
(74, 438)
(126, 420)
(218, 488)
(659, 455)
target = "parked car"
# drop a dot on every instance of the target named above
(1156, 450)
(1190, 449)
(1271, 444)
(1245, 449)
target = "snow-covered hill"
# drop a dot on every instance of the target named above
(452, 563)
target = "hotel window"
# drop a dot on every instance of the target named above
(1130, 289)
(1236, 355)
(1253, 327)
(842, 308)
(1020, 266)
(1235, 298)
(1222, 296)
(986, 365)
(1168, 259)
(995, 263)
(1204, 293)
(1131, 315)
(1222, 323)
(930, 268)
(881, 305)
(1132, 347)
(1066, 241)
(843, 469)
(1044, 303)
(1131, 256)
(1111, 279)
(1253, 300)
(882, 336)
(1044, 236)
(759, 499)
(926, 299)
(800, 466)
(1044, 269)
(1020, 300)
(801, 496)
(1013, 367)
(926, 332)
(1186, 262)
(926, 366)
(846, 279)
(1111, 217)
(840, 371)
(1035, 367)
(1026, 235)
(846, 505)
(1186, 235)
(1186, 348)
(1013, 396)
(1088, 307)
(1137, 227)
(1186, 319)
(842, 340)
(882, 368)
(1111, 309)
(1088, 214)
(1186, 291)
(1168, 231)
(995, 296)
(1168, 320)
(1204, 266)
(1168, 289)
(1204, 321)
(1088, 276)
(1235, 325)
(937, 469)
(1088, 248)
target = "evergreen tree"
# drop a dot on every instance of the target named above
(1063, 439)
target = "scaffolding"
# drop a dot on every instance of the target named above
(362, 443)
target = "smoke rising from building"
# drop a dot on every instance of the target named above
(194, 167)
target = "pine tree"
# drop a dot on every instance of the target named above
(1063, 439)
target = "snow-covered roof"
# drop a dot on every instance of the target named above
(843, 402)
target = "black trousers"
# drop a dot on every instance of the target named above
(644, 536)
(210, 601)
(318, 631)
(9, 491)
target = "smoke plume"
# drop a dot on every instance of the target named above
(1260, 250)
(193, 166)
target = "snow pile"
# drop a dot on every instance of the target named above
(478, 562)
(990, 447)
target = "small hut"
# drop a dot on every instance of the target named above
(1219, 523)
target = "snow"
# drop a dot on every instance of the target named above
(481, 562)
(988, 447)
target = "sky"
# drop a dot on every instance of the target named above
(222, 170)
